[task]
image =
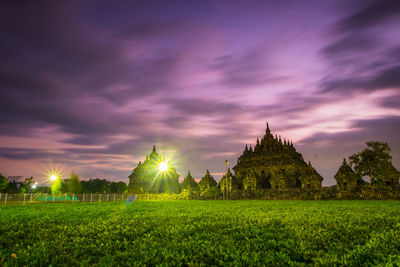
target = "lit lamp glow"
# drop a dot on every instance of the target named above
(163, 166)
(53, 175)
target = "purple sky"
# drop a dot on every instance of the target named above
(90, 86)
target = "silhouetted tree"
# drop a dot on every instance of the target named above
(3, 183)
(26, 186)
(376, 163)
(96, 186)
(118, 187)
(74, 185)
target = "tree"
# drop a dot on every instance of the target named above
(3, 182)
(96, 186)
(26, 185)
(376, 163)
(74, 185)
(56, 187)
(118, 187)
(214, 192)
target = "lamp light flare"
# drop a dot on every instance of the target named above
(53, 177)
(163, 166)
(33, 186)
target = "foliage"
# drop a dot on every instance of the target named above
(13, 187)
(3, 182)
(74, 185)
(103, 186)
(56, 187)
(202, 233)
(214, 192)
(376, 163)
(118, 187)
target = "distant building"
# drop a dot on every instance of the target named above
(347, 180)
(274, 164)
(147, 177)
(206, 183)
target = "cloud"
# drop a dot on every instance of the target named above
(391, 101)
(379, 129)
(247, 70)
(348, 45)
(374, 13)
(362, 54)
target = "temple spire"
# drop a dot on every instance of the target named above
(268, 131)
(154, 149)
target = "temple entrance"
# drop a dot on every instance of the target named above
(265, 180)
(298, 182)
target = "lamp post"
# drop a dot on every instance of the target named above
(226, 175)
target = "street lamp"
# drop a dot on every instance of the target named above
(34, 185)
(163, 166)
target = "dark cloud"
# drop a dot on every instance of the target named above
(391, 102)
(26, 153)
(349, 44)
(360, 55)
(386, 79)
(374, 13)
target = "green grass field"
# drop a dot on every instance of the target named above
(202, 233)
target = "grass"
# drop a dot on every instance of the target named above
(202, 233)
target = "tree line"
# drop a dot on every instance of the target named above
(72, 185)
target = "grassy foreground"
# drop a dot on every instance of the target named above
(200, 233)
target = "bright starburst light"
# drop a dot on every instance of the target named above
(163, 166)
(53, 174)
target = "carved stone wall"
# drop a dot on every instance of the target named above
(274, 164)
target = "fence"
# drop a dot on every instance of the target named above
(6, 199)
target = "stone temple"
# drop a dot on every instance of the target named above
(274, 164)
(147, 178)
